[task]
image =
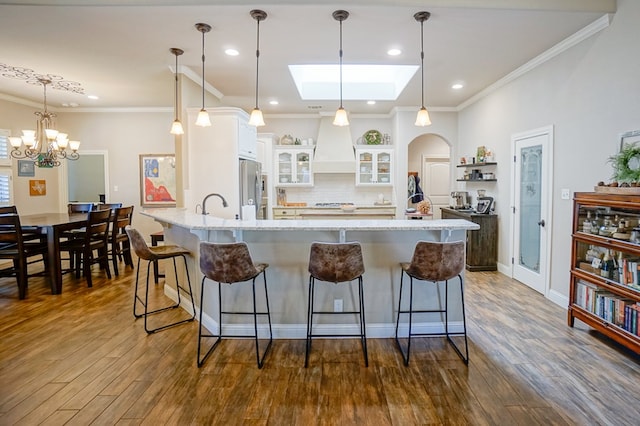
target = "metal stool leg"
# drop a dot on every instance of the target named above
(201, 361)
(309, 320)
(260, 359)
(166, 308)
(464, 357)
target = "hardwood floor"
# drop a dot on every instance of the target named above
(80, 358)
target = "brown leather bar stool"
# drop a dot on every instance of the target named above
(336, 263)
(154, 254)
(231, 263)
(434, 262)
(156, 237)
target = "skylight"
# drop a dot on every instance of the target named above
(359, 82)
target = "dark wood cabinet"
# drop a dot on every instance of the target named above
(482, 244)
(604, 290)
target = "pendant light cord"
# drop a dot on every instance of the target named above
(203, 70)
(422, 58)
(340, 63)
(175, 101)
(257, 58)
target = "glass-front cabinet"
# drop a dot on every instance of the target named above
(294, 166)
(374, 166)
(605, 272)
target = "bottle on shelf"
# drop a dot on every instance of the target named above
(607, 266)
(586, 225)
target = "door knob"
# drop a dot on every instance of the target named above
(541, 223)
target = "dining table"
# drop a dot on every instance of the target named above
(53, 225)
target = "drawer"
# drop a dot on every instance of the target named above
(284, 212)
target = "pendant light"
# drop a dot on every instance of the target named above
(256, 118)
(203, 119)
(422, 118)
(341, 118)
(176, 127)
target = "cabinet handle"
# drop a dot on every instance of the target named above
(541, 223)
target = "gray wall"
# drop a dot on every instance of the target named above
(590, 94)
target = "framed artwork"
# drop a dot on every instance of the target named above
(157, 180)
(26, 168)
(37, 187)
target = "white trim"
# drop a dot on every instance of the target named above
(586, 32)
(548, 213)
(299, 331)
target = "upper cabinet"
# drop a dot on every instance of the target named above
(374, 166)
(247, 140)
(293, 166)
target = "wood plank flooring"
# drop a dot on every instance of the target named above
(80, 358)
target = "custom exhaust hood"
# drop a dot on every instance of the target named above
(334, 151)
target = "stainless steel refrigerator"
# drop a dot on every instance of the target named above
(251, 185)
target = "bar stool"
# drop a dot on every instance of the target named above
(155, 238)
(434, 262)
(231, 263)
(153, 254)
(336, 263)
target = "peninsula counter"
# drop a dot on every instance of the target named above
(285, 244)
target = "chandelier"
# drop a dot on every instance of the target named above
(46, 146)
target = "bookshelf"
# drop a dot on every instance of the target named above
(604, 290)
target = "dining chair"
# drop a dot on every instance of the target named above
(29, 233)
(92, 240)
(107, 206)
(120, 247)
(79, 207)
(14, 247)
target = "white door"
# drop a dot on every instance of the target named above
(435, 183)
(531, 207)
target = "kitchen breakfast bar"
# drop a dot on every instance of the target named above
(285, 246)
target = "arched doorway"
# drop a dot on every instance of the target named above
(429, 156)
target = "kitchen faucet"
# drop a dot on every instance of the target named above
(204, 202)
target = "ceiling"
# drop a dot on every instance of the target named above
(119, 50)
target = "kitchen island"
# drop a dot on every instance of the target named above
(285, 244)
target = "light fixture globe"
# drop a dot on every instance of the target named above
(341, 118)
(203, 119)
(422, 119)
(256, 118)
(176, 126)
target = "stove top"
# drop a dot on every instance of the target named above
(332, 204)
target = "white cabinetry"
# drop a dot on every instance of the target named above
(247, 141)
(374, 166)
(293, 166)
(212, 156)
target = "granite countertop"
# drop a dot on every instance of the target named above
(182, 217)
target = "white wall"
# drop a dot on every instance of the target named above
(125, 136)
(590, 94)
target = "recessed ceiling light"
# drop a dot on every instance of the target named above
(371, 102)
(232, 52)
(273, 102)
(457, 86)
(92, 97)
(394, 52)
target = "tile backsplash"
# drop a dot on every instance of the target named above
(337, 188)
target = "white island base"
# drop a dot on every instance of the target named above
(285, 246)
